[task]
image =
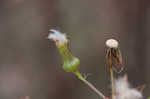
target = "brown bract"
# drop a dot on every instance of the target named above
(114, 59)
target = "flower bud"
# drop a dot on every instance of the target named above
(71, 63)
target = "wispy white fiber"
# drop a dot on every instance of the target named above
(124, 91)
(58, 37)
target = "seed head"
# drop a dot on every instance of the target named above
(113, 55)
(112, 43)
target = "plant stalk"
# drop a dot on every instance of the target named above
(90, 85)
(112, 82)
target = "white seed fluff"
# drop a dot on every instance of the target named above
(58, 37)
(112, 43)
(124, 91)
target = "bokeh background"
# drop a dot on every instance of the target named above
(30, 65)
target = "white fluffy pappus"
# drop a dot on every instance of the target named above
(58, 37)
(124, 91)
(112, 43)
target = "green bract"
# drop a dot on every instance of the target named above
(71, 63)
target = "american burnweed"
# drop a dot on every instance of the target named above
(120, 87)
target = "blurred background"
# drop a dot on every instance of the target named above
(30, 65)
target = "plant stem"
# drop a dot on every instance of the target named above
(112, 82)
(90, 85)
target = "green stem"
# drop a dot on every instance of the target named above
(90, 85)
(112, 82)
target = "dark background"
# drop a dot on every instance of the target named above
(30, 65)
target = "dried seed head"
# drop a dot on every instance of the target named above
(113, 55)
(112, 43)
